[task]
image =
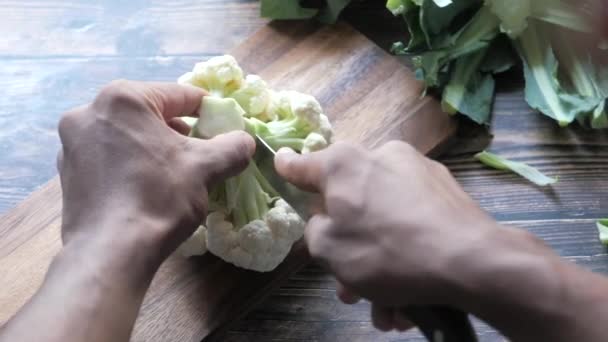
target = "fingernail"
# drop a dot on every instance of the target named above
(286, 150)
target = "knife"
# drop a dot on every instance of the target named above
(437, 323)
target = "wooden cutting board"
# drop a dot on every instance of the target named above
(370, 97)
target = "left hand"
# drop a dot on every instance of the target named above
(129, 178)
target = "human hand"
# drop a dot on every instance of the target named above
(128, 174)
(396, 225)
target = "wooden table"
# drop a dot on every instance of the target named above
(56, 54)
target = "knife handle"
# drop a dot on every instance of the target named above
(441, 324)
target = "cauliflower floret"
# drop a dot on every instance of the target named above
(285, 223)
(255, 237)
(314, 142)
(220, 76)
(221, 235)
(240, 258)
(253, 96)
(298, 115)
(280, 105)
(325, 128)
(196, 244)
(306, 108)
(259, 245)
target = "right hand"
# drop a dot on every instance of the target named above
(396, 225)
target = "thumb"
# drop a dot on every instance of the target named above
(304, 171)
(226, 155)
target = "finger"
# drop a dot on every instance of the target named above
(382, 318)
(304, 171)
(316, 237)
(179, 126)
(224, 156)
(171, 99)
(400, 321)
(346, 295)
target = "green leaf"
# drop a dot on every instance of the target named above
(417, 37)
(602, 227)
(543, 89)
(476, 35)
(599, 118)
(589, 80)
(513, 15)
(469, 92)
(435, 19)
(519, 168)
(410, 11)
(516, 14)
(286, 9)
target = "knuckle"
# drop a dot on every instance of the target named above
(118, 95)
(316, 236)
(398, 147)
(341, 156)
(68, 123)
(239, 152)
(345, 206)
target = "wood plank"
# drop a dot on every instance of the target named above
(370, 97)
(119, 28)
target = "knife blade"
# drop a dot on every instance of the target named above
(437, 323)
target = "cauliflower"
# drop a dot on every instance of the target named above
(218, 116)
(220, 76)
(325, 128)
(298, 115)
(314, 142)
(249, 225)
(196, 244)
(254, 96)
(260, 245)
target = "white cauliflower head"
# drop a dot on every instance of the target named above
(247, 226)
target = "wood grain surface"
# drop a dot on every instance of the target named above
(42, 75)
(370, 98)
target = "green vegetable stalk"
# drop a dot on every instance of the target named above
(524, 170)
